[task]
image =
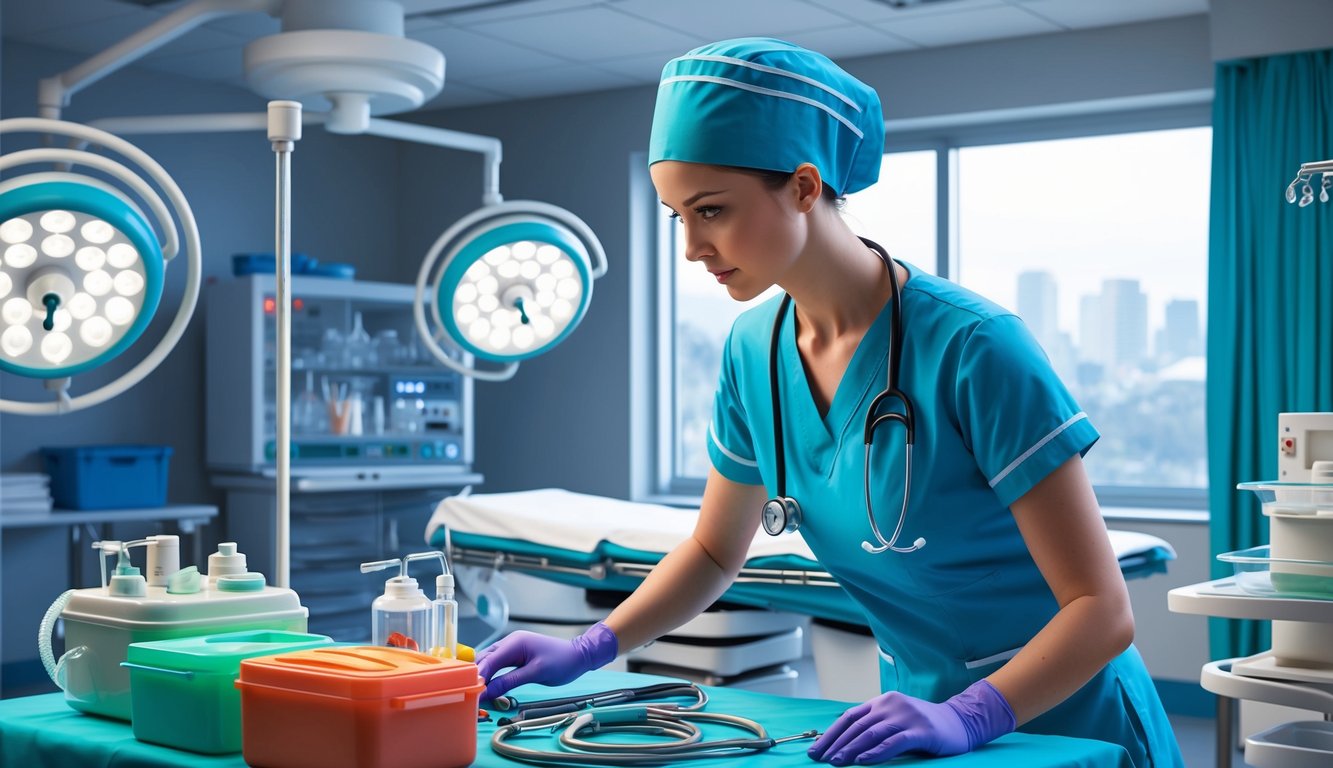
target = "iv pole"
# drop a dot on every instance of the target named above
(284, 130)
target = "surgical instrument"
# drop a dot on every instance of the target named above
(524, 711)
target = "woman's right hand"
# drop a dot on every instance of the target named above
(543, 659)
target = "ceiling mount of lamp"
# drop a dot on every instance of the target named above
(347, 58)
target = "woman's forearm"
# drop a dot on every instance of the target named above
(681, 586)
(1077, 642)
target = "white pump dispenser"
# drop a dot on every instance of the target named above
(225, 562)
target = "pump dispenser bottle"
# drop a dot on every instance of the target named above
(402, 616)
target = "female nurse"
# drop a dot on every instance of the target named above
(987, 580)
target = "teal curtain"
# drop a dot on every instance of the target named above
(1270, 291)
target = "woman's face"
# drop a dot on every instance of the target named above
(742, 232)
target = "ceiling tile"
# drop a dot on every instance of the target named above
(550, 81)
(248, 26)
(849, 41)
(25, 18)
(92, 37)
(643, 68)
(873, 11)
(455, 13)
(194, 41)
(468, 54)
(1076, 14)
(459, 95)
(969, 26)
(221, 64)
(587, 34)
(713, 20)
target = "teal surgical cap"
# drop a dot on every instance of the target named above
(761, 103)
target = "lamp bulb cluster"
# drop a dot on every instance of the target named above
(70, 286)
(517, 297)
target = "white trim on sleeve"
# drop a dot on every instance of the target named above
(1080, 416)
(712, 434)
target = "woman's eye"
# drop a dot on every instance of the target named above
(674, 215)
(707, 211)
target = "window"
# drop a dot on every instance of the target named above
(1098, 242)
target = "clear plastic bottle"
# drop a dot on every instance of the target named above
(401, 617)
(358, 345)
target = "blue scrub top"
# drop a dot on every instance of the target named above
(992, 420)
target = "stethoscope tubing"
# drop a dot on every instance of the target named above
(687, 742)
(874, 418)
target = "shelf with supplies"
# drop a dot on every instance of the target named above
(379, 435)
(363, 391)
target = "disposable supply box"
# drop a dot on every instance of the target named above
(359, 707)
(183, 692)
(108, 476)
(100, 627)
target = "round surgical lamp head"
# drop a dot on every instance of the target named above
(514, 280)
(82, 261)
(80, 276)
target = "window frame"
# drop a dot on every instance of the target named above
(653, 462)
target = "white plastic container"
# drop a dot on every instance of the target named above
(99, 628)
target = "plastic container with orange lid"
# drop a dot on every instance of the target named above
(359, 707)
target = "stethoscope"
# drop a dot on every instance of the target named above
(782, 514)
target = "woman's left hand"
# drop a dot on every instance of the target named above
(893, 723)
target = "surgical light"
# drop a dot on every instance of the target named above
(514, 280)
(47, 281)
(82, 267)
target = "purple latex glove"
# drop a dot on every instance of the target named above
(894, 723)
(543, 659)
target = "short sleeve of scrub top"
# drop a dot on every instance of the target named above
(1014, 413)
(730, 446)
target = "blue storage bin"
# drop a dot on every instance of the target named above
(108, 476)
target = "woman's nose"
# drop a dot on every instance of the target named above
(695, 247)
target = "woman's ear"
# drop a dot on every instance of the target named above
(808, 186)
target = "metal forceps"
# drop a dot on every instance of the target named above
(558, 706)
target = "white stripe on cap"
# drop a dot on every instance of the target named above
(765, 92)
(775, 71)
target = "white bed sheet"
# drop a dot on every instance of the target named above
(580, 522)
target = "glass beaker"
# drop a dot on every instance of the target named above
(357, 347)
(309, 414)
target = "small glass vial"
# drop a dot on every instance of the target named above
(445, 619)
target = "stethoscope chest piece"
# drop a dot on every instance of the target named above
(781, 515)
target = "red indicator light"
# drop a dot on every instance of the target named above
(269, 306)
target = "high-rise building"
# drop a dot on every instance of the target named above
(1180, 337)
(1113, 325)
(1037, 305)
